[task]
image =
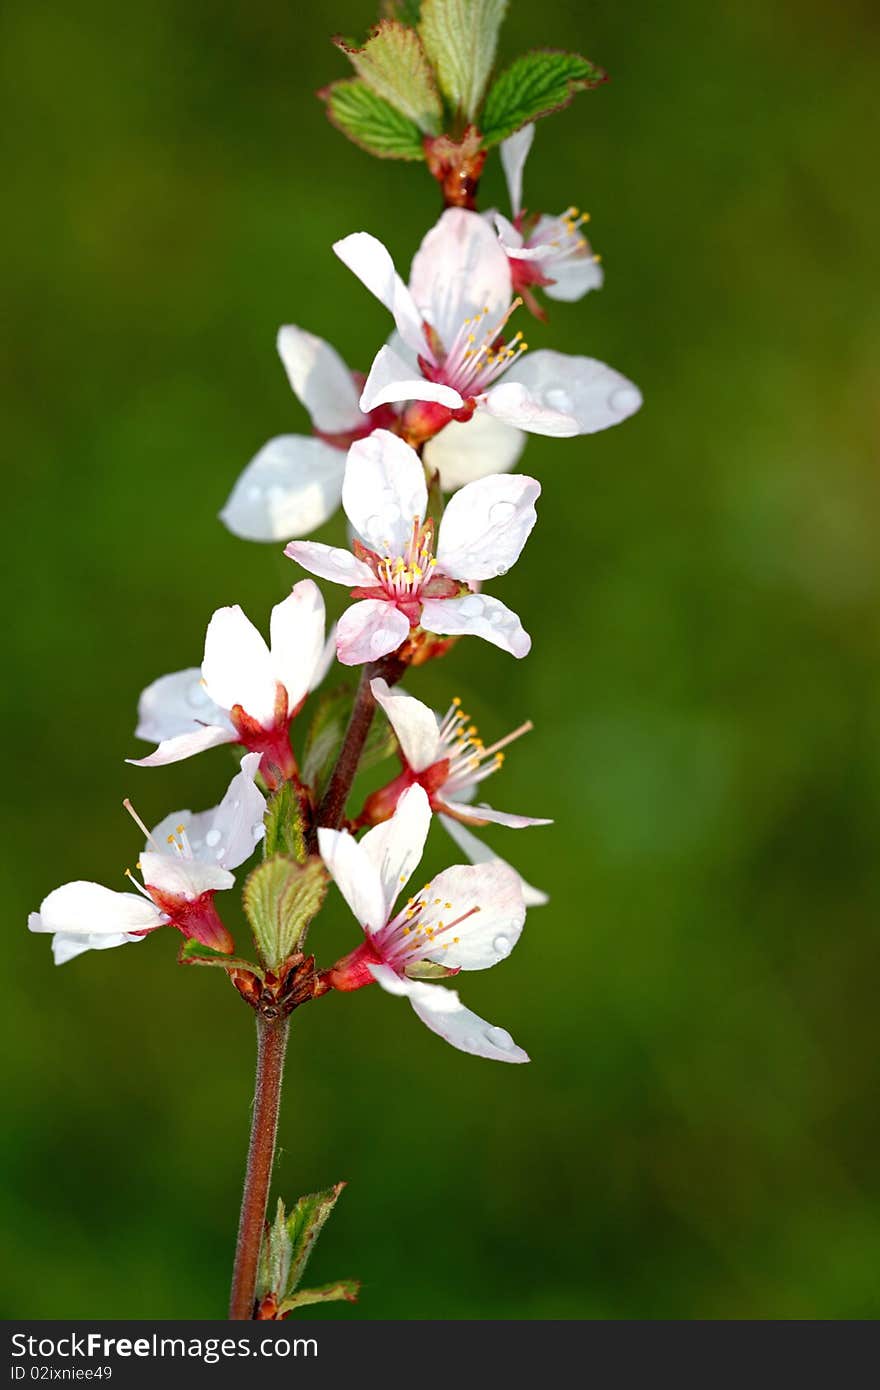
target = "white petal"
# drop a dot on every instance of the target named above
(185, 878)
(516, 405)
(573, 277)
(396, 846)
(82, 908)
(384, 491)
(176, 704)
(556, 386)
(511, 240)
(486, 525)
(478, 853)
(458, 271)
(490, 934)
(481, 616)
(392, 379)
(296, 640)
(227, 834)
(368, 630)
(326, 659)
(372, 264)
(174, 750)
(321, 380)
(461, 453)
(237, 667)
(414, 724)
(67, 947)
(355, 875)
(514, 152)
(443, 1012)
(291, 487)
(330, 562)
(489, 816)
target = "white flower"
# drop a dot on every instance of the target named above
(246, 692)
(467, 918)
(449, 760)
(186, 860)
(394, 573)
(294, 484)
(449, 352)
(550, 252)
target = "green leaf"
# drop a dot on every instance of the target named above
(304, 1224)
(533, 86)
(324, 1293)
(326, 732)
(275, 1255)
(284, 825)
(280, 898)
(393, 64)
(460, 38)
(370, 121)
(407, 11)
(194, 953)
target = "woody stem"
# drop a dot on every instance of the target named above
(271, 1047)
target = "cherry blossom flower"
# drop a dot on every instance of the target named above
(399, 581)
(467, 918)
(550, 252)
(186, 860)
(245, 692)
(450, 355)
(294, 484)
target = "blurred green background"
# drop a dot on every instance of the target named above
(697, 1135)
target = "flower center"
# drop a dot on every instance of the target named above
(470, 761)
(404, 576)
(477, 355)
(418, 930)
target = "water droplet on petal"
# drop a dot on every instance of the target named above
(254, 492)
(343, 558)
(472, 606)
(212, 838)
(276, 494)
(196, 695)
(557, 399)
(372, 525)
(501, 513)
(624, 400)
(218, 853)
(502, 945)
(499, 1037)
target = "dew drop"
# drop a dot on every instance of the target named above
(212, 838)
(218, 853)
(254, 492)
(624, 400)
(499, 1037)
(501, 513)
(472, 606)
(343, 558)
(502, 945)
(196, 696)
(558, 399)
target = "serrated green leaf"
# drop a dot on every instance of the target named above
(370, 121)
(347, 1289)
(460, 38)
(280, 899)
(325, 735)
(284, 825)
(304, 1224)
(533, 86)
(275, 1254)
(393, 64)
(192, 952)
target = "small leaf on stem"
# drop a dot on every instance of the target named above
(393, 64)
(280, 899)
(370, 121)
(533, 86)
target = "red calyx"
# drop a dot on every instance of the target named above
(380, 805)
(457, 166)
(352, 971)
(196, 918)
(423, 419)
(277, 763)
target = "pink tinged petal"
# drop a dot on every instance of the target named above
(185, 878)
(488, 935)
(458, 271)
(396, 846)
(237, 667)
(511, 240)
(514, 153)
(414, 724)
(67, 947)
(589, 394)
(516, 405)
(384, 491)
(228, 834)
(442, 1011)
(490, 816)
(486, 525)
(174, 750)
(321, 380)
(480, 616)
(82, 908)
(356, 877)
(478, 853)
(372, 264)
(368, 630)
(296, 640)
(461, 453)
(330, 562)
(291, 487)
(392, 379)
(176, 704)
